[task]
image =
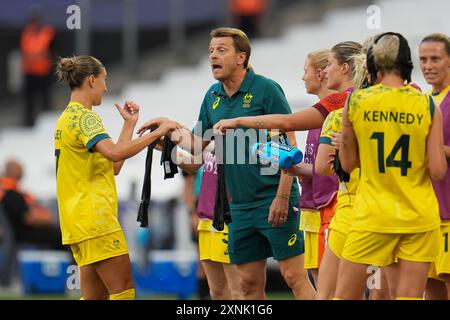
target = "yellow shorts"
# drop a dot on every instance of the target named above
(310, 225)
(442, 263)
(382, 249)
(212, 244)
(432, 272)
(100, 248)
(342, 219)
(336, 242)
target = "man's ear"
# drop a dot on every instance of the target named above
(241, 58)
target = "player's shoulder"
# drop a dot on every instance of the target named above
(334, 101)
(330, 117)
(334, 119)
(416, 86)
(76, 108)
(362, 94)
(413, 90)
(71, 113)
(336, 113)
(77, 119)
(75, 112)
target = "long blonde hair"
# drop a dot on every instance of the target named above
(360, 70)
(318, 58)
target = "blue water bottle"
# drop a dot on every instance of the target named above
(277, 153)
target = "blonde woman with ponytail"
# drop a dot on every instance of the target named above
(86, 161)
(343, 211)
(394, 134)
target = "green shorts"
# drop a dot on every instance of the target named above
(252, 238)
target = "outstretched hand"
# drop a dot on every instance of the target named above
(169, 126)
(164, 126)
(151, 125)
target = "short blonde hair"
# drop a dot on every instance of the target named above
(385, 54)
(241, 42)
(319, 58)
(369, 42)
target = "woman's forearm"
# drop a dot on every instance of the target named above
(125, 135)
(307, 119)
(270, 121)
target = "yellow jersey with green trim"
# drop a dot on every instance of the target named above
(86, 188)
(439, 96)
(347, 190)
(395, 194)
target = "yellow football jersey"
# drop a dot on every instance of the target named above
(438, 97)
(395, 194)
(86, 188)
(347, 190)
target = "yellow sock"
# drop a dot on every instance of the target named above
(408, 298)
(124, 295)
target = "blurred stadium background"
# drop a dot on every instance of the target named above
(155, 52)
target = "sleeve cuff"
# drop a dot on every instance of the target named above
(91, 143)
(432, 107)
(321, 109)
(325, 140)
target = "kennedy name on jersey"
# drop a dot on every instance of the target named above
(392, 116)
